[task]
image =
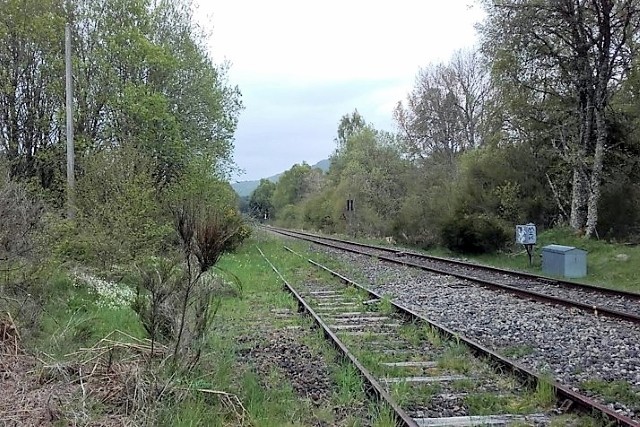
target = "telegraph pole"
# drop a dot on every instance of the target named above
(71, 181)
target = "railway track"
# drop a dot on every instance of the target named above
(597, 300)
(429, 374)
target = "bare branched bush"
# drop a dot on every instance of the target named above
(19, 218)
(177, 301)
(159, 280)
(209, 234)
(212, 235)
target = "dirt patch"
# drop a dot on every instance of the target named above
(307, 371)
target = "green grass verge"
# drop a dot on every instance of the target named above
(270, 400)
(608, 264)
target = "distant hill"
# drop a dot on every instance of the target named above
(245, 188)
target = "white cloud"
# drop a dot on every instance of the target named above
(311, 61)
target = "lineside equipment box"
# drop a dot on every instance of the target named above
(565, 261)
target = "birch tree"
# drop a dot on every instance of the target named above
(443, 114)
(575, 50)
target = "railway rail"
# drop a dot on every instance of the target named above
(594, 299)
(432, 393)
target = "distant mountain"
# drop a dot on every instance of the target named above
(323, 165)
(245, 188)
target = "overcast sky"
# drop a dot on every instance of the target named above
(302, 65)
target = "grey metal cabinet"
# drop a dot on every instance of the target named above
(565, 261)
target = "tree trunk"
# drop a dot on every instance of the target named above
(579, 197)
(596, 173)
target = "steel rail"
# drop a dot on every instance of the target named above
(585, 403)
(527, 294)
(375, 388)
(550, 280)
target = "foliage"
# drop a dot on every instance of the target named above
(19, 220)
(445, 111)
(118, 211)
(349, 125)
(260, 204)
(294, 186)
(142, 79)
(474, 233)
(207, 222)
(571, 56)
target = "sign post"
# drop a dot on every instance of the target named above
(349, 216)
(526, 236)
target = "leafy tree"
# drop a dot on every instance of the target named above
(294, 186)
(369, 169)
(576, 52)
(31, 90)
(348, 126)
(142, 78)
(260, 205)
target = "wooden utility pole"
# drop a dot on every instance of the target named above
(71, 180)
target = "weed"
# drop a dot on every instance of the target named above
(517, 351)
(350, 386)
(545, 393)
(614, 391)
(385, 306)
(382, 416)
(433, 335)
(456, 358)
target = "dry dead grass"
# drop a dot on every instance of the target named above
(116, 382)
(108, 384)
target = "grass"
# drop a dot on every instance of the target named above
(350, 385)
(614, 391)
(73, 318)
(456, 358)
(545, 393)
(385, 307)
(417, 333)
(604, 265)
(517, 351)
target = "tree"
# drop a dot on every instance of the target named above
(370, 170)
(349, 125)
(295, 185)
(260, 205)
(31, 90)
(577, 51)
(142, 78)
(444, 112)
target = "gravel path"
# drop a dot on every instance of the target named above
(571, 345)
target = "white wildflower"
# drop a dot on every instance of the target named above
(110, 294)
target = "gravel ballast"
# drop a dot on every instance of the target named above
(573, 346)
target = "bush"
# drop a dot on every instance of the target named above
(474, 233)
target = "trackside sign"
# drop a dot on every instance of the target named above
(526, 234)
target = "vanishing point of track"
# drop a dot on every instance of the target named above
(338, 316)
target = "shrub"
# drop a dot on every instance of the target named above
(475, 233)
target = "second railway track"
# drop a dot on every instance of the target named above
(597, 300)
